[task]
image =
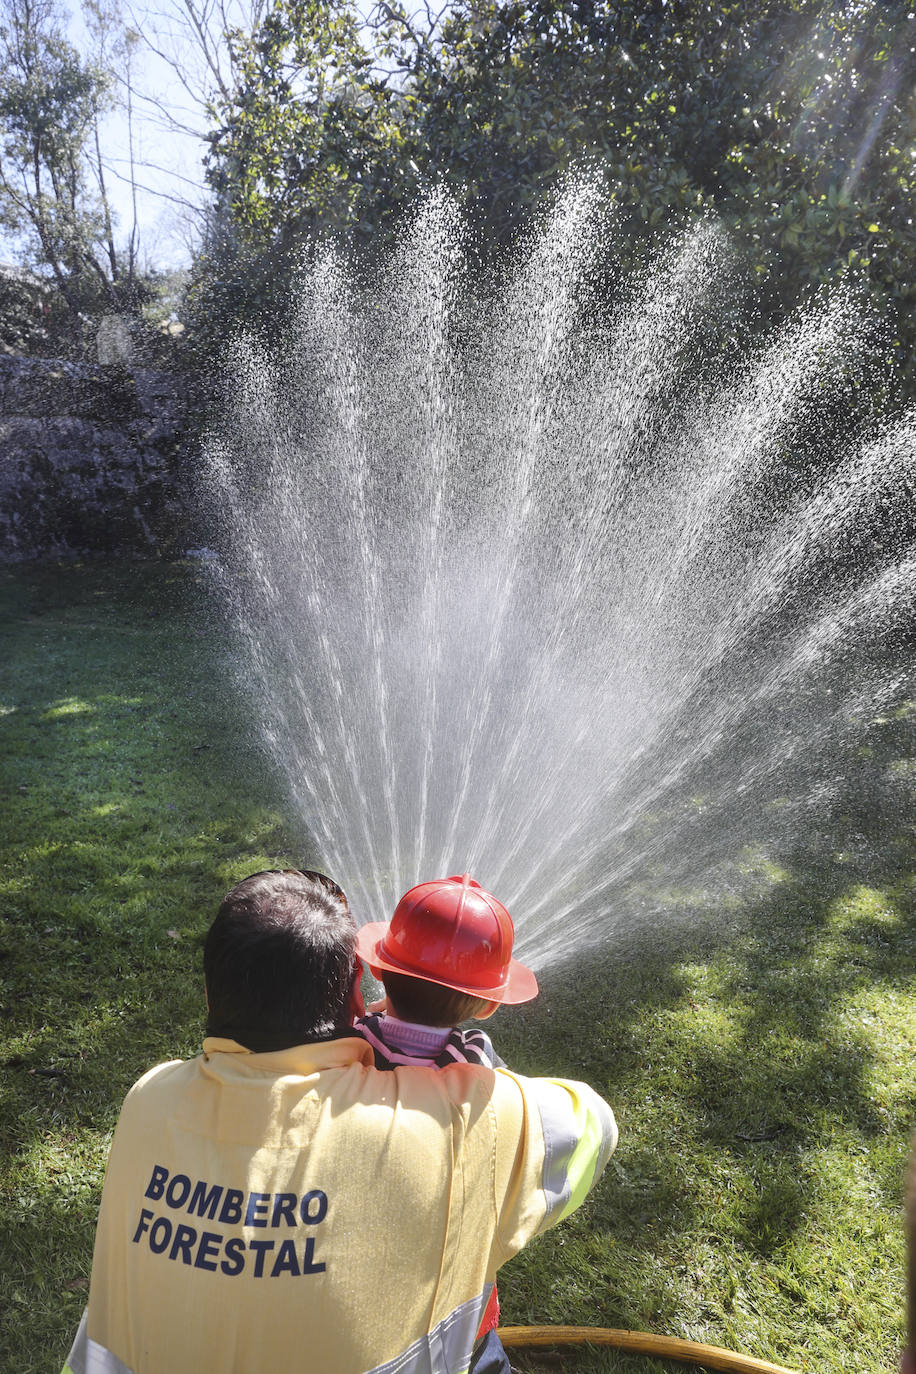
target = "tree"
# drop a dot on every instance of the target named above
(304, 143)
(302, 147)
(755, 111)
(793, 120)
(53, 194)
(114, 51)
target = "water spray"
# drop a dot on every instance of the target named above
(554, 587)
(561, 589)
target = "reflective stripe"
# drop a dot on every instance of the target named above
(580, 1134)
(444, 1350)
(88, 1357)
(608, 1137)
(75, 1362)
(598, 1142)
(447, 1348)
(559, 1143)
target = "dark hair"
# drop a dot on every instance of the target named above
(279, 960)
(417, 999)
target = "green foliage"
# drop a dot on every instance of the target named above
(53, 200)
(794, 120)
(301, 150)
(35, 321)
(29, 321)
(48, 100)
(308, 125)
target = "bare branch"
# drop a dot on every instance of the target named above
(169, 118)
(199, 210)
(113, 163)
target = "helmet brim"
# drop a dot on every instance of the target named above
(520, 984)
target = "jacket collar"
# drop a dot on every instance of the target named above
(338, 1051)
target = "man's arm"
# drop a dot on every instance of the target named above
(554, 1138)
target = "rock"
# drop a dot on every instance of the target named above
(91, 460)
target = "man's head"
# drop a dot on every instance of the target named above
(280, 961)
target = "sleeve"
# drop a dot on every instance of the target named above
(553, 1140)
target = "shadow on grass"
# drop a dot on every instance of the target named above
(132, 797)
(759, 1058)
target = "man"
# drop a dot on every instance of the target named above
(278, 1203)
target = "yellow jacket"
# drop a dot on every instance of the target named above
(302, 1210)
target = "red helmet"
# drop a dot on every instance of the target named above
(450, 931)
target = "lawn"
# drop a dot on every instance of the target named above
(761, 1066)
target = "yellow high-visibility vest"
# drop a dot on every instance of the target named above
(302, 1210)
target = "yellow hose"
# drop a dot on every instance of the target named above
(643, 1343)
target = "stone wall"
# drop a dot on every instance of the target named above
(90, 460)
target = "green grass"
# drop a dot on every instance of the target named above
(762, 1069)
(764, 1087)
(132, 798)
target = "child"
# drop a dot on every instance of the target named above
(446, 957)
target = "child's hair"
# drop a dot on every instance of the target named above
(430, 1004)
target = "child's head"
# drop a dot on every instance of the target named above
(431, 1004)
(447, 954)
